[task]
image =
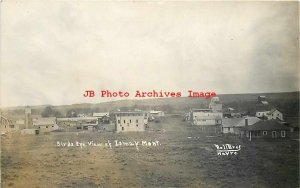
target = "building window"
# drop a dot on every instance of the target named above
(256, 133)
(124, 120)
(137, 121)
(47, 127)
(282, 134)
(122, 128)
(228, 128)
(137, 125)
(274, 134)
(265, 133)
(130, 120)
(118, 121)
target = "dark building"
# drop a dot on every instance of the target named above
(266, 129)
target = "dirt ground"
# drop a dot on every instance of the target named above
(184, 157)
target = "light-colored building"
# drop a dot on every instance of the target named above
(129, 121)
(157, 113)
(7, 125)
(261, 114)
(206, 117)
(101, 114)
(215, 105)
(48, 124)
(28, 118)
(272, 114)
(275, 114)
(29, 131)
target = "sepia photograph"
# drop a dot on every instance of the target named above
(149, 94)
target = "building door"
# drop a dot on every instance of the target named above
(274, 134)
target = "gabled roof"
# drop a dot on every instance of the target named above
(266, 125)
(273, 110)
(231, 122)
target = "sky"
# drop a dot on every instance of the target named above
(52, 51)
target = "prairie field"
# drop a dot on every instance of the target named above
(184, 157)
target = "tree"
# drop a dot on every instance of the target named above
(49, 112)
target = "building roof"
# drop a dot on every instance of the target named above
(273, 110)
(239, 122)
(266, 125)
(201, 110)
(230, 122)
(124, 113)
(217, 117)
(251, 120)
(100, 114)
(44, 121)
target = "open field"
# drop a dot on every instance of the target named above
(186, 157)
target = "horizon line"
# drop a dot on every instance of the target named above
(143, 98)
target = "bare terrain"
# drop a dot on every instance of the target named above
(186, 157)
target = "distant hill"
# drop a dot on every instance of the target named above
(288, 103)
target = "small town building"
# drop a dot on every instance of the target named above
(205, 117)
(234, 125)
(229, 124)
(266, 129)
(215, 105)
(30, 131)
(48, 124)
(232, 113)
(6, 125)
(129, 121)
(271, 114)
(156, 113)
(262, 100)
(77, 121)
(102, 117)
(275, 114)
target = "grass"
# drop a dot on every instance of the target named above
(35, 161)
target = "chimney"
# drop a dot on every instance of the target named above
(246, 122)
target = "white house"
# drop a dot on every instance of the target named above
(45, 124)
(272, 114)
(206, 117)
(129, 121)
(275, 114)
